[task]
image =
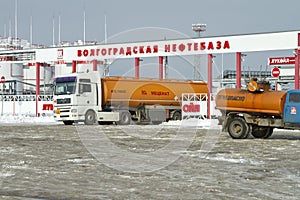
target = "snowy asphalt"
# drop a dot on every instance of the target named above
(53, 161)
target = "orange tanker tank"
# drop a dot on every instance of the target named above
(133, 92)
(267, 102)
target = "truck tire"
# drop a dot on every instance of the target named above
(90, 118)
(68, 122)
(269, 133)
(125, 118)
(238, 128)
(262, 132)
(176, 115)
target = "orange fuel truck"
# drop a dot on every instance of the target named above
(87, 97)
(257, 110)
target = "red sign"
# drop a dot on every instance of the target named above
(47, 107)
(275, 72)
(2, 79)
(60, 62)
(282, 61)
(41, 64)
(60, 54)
(191, 108)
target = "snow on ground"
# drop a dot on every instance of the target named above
(26, 119)
(29, 119)
(203, 123)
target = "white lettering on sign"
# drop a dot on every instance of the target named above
(275, 72)
(282, 61)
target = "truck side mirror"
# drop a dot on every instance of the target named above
(81, 89)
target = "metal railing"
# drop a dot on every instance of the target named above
(26, 98)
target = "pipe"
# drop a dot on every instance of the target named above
(161, 67)
(238, 69)
(137, 67)
(95, 65)
(74, 63)
(297, 66)
(209, 84)
(37, 93)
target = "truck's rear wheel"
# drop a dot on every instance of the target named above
(176, 115)
(90, 118)
(238, 128)
(125, 118)
(262, 132)
(269, 133)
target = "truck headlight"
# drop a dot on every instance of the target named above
(74, 111)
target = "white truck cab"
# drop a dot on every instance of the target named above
(77, 97)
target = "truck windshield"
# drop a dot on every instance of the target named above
(65, 86)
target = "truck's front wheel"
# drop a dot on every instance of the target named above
(238, 128)
(125, 118)
(90, 118)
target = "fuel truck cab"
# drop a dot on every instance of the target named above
(291, 116)
(77, 98)
(257, 110)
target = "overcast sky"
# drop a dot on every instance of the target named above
(223, 17)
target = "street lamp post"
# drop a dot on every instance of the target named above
(197, 28)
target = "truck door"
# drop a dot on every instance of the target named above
(85, 95)
(292, 107)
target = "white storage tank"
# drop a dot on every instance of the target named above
(62, 69)
(48, 74)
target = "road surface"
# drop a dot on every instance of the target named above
(54, 162)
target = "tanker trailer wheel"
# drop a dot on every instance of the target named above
(90, 118)
(262, 132)
(238, 128)
(125, 118)
(176, 115)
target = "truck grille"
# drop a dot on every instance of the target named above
(63, 101)
(64, 112)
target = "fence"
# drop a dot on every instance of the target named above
(26, 105)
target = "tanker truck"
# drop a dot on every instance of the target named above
(88, 98)
(257, 110)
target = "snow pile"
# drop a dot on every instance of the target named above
(48, 119)
(203, 123)
(26, 119)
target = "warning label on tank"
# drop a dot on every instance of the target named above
(293, 110)
(160, 93)
(233, 98)
(118, 91)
